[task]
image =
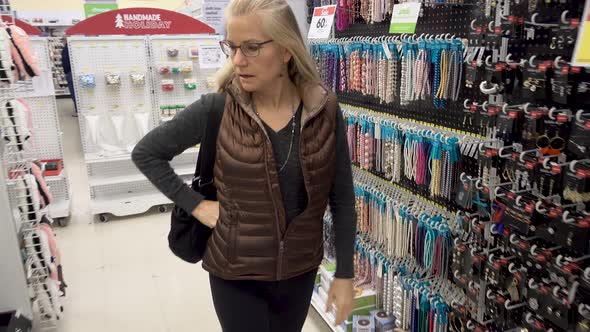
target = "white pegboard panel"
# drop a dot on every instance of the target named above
(159, 46)
(120, 55)
(46, 141)
(42, 85)
(59, 188)
(126, 191)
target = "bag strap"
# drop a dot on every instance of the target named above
(207, 150)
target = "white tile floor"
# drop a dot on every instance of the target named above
(121, 274)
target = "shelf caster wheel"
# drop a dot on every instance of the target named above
(62, 222)
(103, 217)
(163, 208)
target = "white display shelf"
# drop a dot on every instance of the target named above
(60, 209)
(92, 158)
(96, 181)
(124, 206)
(320, 308)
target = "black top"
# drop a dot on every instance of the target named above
(291, 177)
(154, 152)
(65, 59)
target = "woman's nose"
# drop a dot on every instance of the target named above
(239, 58)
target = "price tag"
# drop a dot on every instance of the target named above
(321, 23)
(405, 17)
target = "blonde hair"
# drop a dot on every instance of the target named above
(280, 24)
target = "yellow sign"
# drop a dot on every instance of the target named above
(582, 51)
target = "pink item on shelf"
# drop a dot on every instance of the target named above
(23, 53)
(45, 195)
(53, 248)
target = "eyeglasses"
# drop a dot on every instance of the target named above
(249, 49)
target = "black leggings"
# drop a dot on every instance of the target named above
(262, 306)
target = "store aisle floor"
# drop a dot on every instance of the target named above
(121, 274)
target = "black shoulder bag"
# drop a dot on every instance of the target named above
(188, 236)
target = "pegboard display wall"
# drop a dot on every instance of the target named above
(46, 137)
(102, 69)
(434, 19)
(122, 83)
(521, 196)
(176, 90)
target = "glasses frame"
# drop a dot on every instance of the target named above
(234, 48)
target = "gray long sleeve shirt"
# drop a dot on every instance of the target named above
(153, 153)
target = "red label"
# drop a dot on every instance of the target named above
(500, 66)
(462, 248)
(562, 118)
(140, 21)
(530, 165)
(555, 169)
(521, 20)
(587, 125)
(511, 195)
(539, 326)
(486, 190)
(473, 108)
(493, 110)
(541, 259)
(465, 187)
(497, 265)
(583, 173)
(491, 152)
(555, 212)
(506, 232)
(583, 224)
(513, 114)
(324, 11)
(514, 155)
(474, 64)
(536, 114)
(575, 22)
(565, 70)
(576, 70)
(530, 208)
(542, 67)
(500, 299)
(478, 29)
(498, 30)
(522, 244)
(511, 18)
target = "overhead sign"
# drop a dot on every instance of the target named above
(581, 55)
(91, 9)
(213, 14)
(140, 21)
(322, 22)
(405, 17)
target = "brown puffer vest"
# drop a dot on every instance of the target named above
(251, 240)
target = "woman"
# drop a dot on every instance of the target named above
(281, 156)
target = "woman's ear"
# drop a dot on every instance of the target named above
(287, 56)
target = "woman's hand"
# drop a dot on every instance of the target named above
(342, 295)
(207, 212)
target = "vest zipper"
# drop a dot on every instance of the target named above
(280, 262)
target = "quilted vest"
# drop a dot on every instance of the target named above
(251, 240)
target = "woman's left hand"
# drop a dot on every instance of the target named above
(342, 295)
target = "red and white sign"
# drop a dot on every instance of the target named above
(322, 22)
(140, 21)
(29, 29)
